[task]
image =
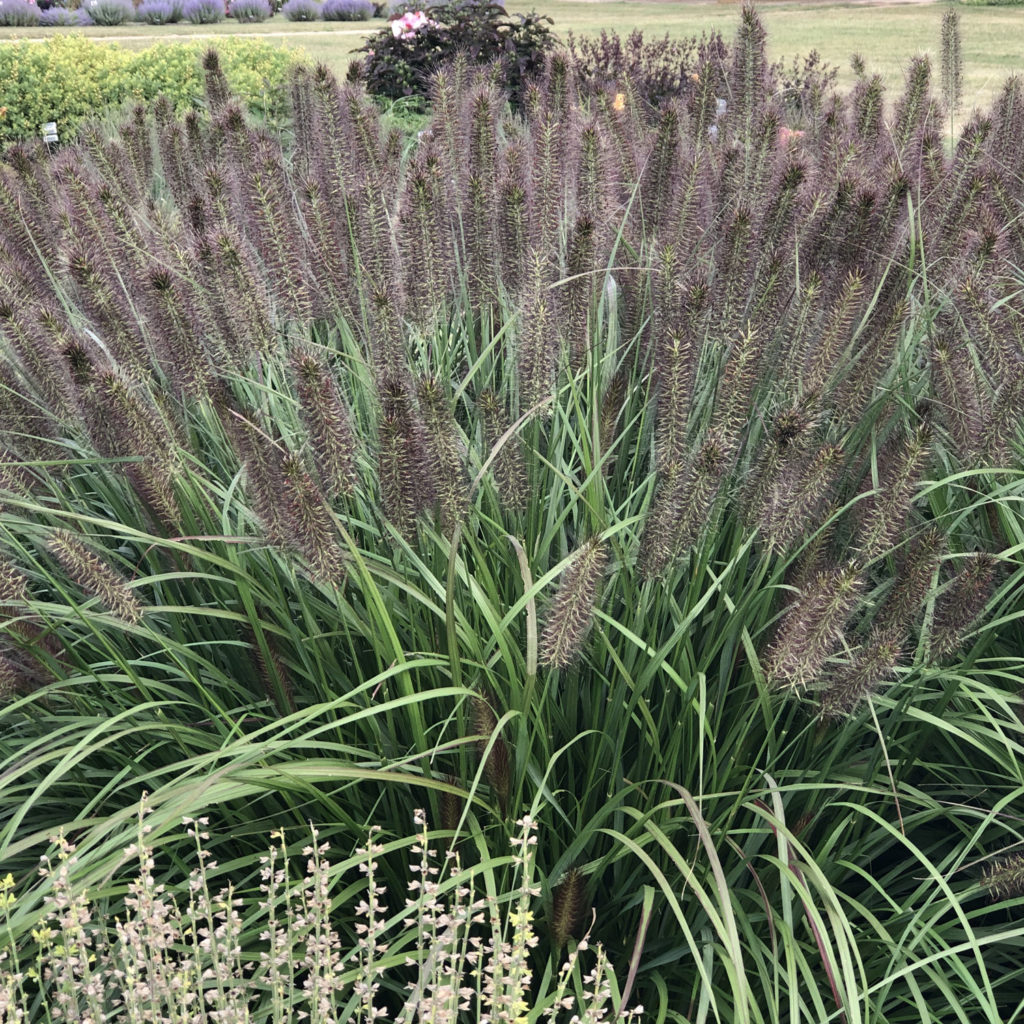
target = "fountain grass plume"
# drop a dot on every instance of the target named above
(445, 453)
(961, 603)
(952, 62)
(813, 627)
(95, 576)
(571, 613)
(331, 437)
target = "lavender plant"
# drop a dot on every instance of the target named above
(202, 12)
(19, 13)
(109, 12)
(250, 11)
(301, 10)
(57, 15)
(346, 10)
(159, 12)
(652, 472)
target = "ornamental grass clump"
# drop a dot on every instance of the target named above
(653, 472)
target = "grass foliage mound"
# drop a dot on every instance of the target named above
(653, 474)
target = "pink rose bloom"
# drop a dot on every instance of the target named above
(409, 24)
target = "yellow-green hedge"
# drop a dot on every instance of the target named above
(69, 78)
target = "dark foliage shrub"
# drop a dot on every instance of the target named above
(659, 70)
(347, 10)
(159, 12)
(301, 10)
(803, 85)
(109, 12)
(655, 70)
(401, 58)
(250, 11)
(203, 12)
(18, 13)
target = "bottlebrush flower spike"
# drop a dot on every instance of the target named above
(94, 576)
(444, 445)
(813, 627)
(509, 464)
(883, 516)
(13, 586)
(572, 610)
(915, 577)
(568, 906)
(327, 419)
(537, 339)
(958, 608)
(312, 530)
(498, 767)
(1005, 878)
(872, 666)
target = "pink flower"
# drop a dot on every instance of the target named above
(788, 135)
(409, 24)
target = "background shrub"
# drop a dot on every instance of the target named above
(56, 15)
(803, 85)
(512, 45)
(203, 12)
(347, 10)
(15, 13)
(654, 70)
(159, 12)
(301, 10)
(250, 10)
(109, 12)
(256, 72)
(67, 79)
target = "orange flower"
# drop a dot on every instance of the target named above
(620, 101)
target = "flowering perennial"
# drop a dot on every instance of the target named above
(409, 24)
(188, 958)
